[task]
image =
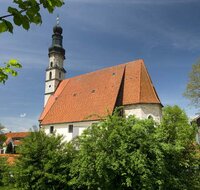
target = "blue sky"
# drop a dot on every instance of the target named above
(98, 34)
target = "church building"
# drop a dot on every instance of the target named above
(73, 104)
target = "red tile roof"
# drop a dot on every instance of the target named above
(16, 135)
(88, 96)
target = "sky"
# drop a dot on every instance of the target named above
(99, 34)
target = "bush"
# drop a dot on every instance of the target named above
(43, 163)
(5, 172)
(120, 153)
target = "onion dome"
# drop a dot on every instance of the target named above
(57, 38)
(57, 29)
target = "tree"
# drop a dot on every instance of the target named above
(3, 170)
(43, 163)
(23, 13)
(181, 152)
(2, 140)
(2, 136)
(192, 91)
(120, 153)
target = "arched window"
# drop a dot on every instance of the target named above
(51, 64)
(60, 75)
(150, 117)
(50, 75)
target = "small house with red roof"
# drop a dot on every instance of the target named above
(13, 140)
(73, 104)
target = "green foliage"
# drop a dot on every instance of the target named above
(9, 187)
(2, 136)
(23, 13)
(26, 12)
(117, 153)
(9, 69)
(2, 140)
(121, 153)
(181, 153)
(192, 91)
(5, 177)
(43, 163)
(2, 169)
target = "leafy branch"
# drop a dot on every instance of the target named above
(9, 69)
(24, 13)
(27, 12)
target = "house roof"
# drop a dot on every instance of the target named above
(15, 137)
(17, 134)
(93, 95)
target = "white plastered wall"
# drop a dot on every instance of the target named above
(56, 59)
(143, 111)
(63, 129)
(50, 86)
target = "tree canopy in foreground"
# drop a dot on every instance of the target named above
(2, 136)
(116, 154)
(121, 153)
(44, 163)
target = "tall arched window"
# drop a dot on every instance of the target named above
(51, 64)
(50, 75)
(60, 75)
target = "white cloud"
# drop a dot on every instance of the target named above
(23, 115)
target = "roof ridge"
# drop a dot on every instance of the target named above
(105, 68)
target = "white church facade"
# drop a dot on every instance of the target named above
(73, 104)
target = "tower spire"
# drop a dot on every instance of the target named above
(57, 20)
(55, 71)
(57, 39)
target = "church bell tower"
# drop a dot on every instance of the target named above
(55, 71)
